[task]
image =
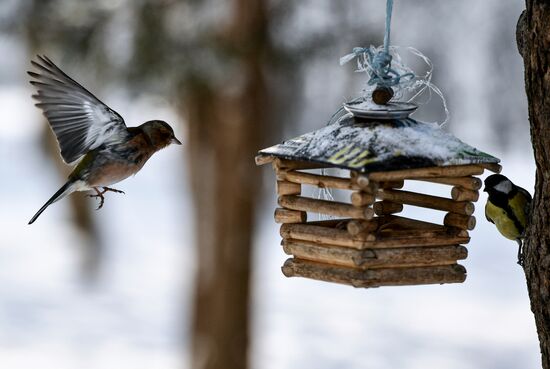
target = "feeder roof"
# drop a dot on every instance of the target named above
(378, 146)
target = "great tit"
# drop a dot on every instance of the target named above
(508, 208)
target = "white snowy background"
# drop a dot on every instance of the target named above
(137, 314)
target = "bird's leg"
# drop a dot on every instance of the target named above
(520, 252)
(99, 195)
(107, 189)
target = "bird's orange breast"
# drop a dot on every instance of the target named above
(111, 173)
(115, 164)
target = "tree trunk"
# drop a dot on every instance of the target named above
(226, 124)
(533, 35)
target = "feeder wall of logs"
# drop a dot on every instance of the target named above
(367, 244)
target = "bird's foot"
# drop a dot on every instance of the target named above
(99, 194)
(520, 253)
(520, 260)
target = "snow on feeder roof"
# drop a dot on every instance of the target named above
(382, 145)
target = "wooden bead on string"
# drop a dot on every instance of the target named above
(382, 95)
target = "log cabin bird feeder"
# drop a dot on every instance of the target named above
(379, 148)
(367, 244)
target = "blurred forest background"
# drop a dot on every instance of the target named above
(183, 270)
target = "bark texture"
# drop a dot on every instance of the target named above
(226, 125)
(533, 36)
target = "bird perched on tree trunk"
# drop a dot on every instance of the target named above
(508, 208)
(88, 130)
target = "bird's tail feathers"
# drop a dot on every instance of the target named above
(66, 189)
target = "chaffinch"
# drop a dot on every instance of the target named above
(92, 134)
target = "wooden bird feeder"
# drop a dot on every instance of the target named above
(366, 244)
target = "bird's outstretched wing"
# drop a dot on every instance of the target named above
(80, 121)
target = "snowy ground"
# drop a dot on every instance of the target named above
(137, 314)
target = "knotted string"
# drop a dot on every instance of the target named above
(386, 69)
(377, 62)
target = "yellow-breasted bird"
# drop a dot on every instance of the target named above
(508, 208)
(92, 134)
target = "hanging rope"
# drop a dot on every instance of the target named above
(389, 9)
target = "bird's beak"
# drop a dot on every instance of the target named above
(175, 141)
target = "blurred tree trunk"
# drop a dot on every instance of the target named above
(533, 36)
(226, 124)
(90, 247)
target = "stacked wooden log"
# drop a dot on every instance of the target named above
(367, 244)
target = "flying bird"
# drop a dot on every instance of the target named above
(508, 208)
(92, 135)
